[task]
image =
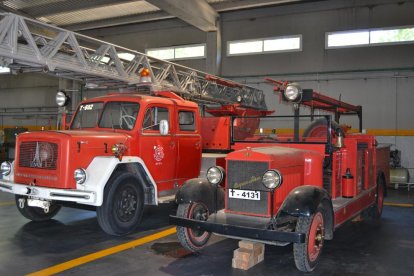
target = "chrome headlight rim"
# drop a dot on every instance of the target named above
(270, 175)
(293, 92)
(6, 168)
(80, 175)
(215, 175)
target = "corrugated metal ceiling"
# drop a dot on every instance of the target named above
(82, 14)
(99, 13)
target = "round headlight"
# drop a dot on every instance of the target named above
(293, 92)
(6, 168)
(272, 179)
(215, 175)
(61, 98)
(79, 175)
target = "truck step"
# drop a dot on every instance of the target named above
(166, 199)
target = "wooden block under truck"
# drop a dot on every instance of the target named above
(293, 179)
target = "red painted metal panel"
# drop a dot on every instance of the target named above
(354, 207)
(216, 133)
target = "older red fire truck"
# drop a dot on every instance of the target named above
(124, 150)
(289, 179)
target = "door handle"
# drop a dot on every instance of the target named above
(197, 145)
(172, 144)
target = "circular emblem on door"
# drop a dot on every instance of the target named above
(158, 153)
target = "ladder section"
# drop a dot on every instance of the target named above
(28, 45)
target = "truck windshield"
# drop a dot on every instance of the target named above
(114, 115)
(119, 115)
(87, 115)
(283, 129)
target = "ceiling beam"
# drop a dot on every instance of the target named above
(249, 4)
(75, 5)
(116, 21)
(196, 12)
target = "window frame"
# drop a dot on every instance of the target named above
(150, 129)
(194, 124)
(263, 40)
(179, 46)
(369, 44)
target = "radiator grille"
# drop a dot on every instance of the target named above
(39, 155)
(247, 176)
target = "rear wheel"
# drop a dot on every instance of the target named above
(191, 239)
(376, 210)
(123, 204)
(35, 213)
(307, 254)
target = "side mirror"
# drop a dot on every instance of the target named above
(164, 127)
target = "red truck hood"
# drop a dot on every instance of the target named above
(282, 156)
(59, 153)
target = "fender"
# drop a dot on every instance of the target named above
(100, 170)
(303, 201)
(200, 190)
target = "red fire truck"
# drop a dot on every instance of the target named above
(124, 150)
(289, 179)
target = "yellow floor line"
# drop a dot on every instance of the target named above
(7, 203)
(398, 204)
(103, 253)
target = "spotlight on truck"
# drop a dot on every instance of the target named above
(62, 99)
(293, 92)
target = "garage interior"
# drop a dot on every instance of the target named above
(378, 75)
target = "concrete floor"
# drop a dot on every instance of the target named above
(384, 247)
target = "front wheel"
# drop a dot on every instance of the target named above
(307, 254)
(191, 239)
(123, 204)
(35, 213)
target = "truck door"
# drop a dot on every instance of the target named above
(159, 151)
(189, 145)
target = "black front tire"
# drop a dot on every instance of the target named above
(35, 213)
(191, 239)
(307, 254)
(123, 204)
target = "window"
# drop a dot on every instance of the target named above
(186, 120)
(87, 115)
(178, 52)
(153, 116)
(267, 45)
(4, 70)
(119, 115)
(370, 37)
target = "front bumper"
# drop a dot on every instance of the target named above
(78, 196)
(239, 227)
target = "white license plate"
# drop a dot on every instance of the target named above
(244, 194)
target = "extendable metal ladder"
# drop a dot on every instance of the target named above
(27, 45)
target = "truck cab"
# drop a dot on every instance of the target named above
(120, 152)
